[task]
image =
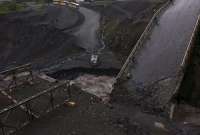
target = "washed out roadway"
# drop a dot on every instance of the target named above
(161, 55)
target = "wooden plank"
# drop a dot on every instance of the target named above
(47, 78)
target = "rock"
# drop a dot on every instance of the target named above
(160, 125)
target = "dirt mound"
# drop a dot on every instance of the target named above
(23, 41)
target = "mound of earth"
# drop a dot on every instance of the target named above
(26, 39)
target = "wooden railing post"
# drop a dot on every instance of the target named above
(52, 100)
(2, 128)
(28, 111)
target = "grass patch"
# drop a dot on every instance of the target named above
(8, 7)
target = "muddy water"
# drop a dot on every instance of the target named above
(87, 33)
(94, 81)
(100, 86)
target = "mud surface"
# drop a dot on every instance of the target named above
(87, 33)
(4, 101)
(90, 116)
(36, 36)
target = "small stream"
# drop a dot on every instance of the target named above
(87, 34)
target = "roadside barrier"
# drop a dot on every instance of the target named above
(12, 75)
(18, 115)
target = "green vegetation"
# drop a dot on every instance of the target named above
(7, 7)
(122, 36)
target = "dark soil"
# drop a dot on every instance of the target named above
(34, 39)
(91, 117)
(4, 101)
(190, 87)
